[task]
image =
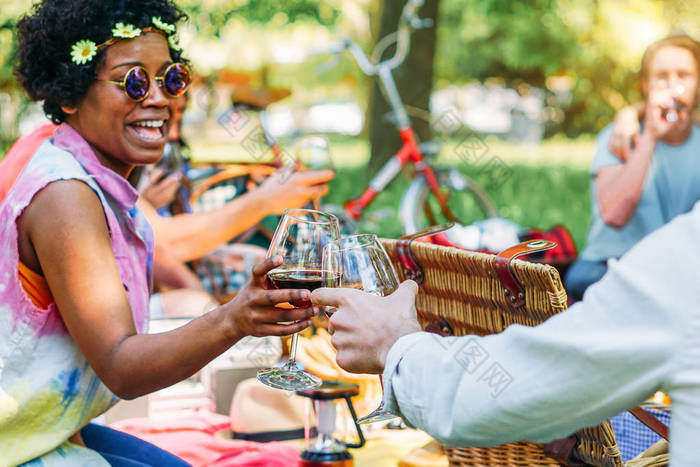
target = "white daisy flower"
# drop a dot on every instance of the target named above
(163, 26)
(125, 31)
(83, 52)
(173, 42)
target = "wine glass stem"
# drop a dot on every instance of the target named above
(293, 347)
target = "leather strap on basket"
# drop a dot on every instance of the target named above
(650, 421)
(440, 327)
(411, 268)
(562, 451)
(513, 289)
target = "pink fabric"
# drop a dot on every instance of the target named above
(192, 439)
(48, 390)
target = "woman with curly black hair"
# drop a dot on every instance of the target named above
(78, 253)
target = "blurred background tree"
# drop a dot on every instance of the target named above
(414, 80)
(589, 49)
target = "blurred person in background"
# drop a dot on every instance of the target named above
(658, 179)
(183, 236)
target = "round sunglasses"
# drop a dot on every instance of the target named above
(137, 83)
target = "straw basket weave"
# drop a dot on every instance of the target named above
(463, 288)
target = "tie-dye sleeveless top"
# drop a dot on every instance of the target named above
(48, 391)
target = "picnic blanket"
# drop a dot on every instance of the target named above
(193, 439)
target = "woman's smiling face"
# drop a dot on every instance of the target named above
(122, 132)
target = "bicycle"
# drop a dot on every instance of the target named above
(429, 186)
(427, 180)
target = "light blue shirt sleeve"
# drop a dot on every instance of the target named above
(637, 331)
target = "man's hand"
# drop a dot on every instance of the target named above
(365, 327)
(289, 189)
(659, 103)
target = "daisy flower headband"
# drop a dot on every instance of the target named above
(84, 51)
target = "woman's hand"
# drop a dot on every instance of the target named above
(253, 313)
(625, 132)
(290, 189)
(365, 327)
(160, 190)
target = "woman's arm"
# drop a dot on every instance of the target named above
(620, 187)
(169, 272)
(191, 236)
(66, 228)
(626, 130)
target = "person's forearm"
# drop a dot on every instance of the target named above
(140, 364)
(191, 236)
(536, 384)
(171, 273)
(619, 188)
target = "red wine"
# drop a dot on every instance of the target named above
(308, 279)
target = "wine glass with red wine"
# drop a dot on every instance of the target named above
(361, 262)
(299, 239)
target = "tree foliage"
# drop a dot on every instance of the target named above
(211, 16)
(597, 44)
(531, 40)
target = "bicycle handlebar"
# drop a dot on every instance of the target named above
(334, 48)
(408, 22)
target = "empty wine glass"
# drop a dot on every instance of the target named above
(360, 262)
(313, 152)
(299, 239)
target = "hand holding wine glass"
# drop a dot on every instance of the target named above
(364, 327)
(667, 108)
(299, 239)
(252, 312)
(360, 262)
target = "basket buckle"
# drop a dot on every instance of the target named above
(513, 290)
(411, 268)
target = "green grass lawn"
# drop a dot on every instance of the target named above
(532, 185)
(532, 196)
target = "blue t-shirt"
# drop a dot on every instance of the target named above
(671, 187)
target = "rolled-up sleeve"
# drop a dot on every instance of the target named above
(604, 355)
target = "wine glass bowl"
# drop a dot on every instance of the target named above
(299, 239)
(360, 262)
(313, 152)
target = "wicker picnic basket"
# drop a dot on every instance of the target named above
(464, 292)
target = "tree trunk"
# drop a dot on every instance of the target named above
(414, 80)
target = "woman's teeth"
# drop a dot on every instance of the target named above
(149, 129)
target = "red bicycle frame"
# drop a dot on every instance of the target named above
(408, 152)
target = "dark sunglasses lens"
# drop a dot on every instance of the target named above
(176, 79)
(137, 83)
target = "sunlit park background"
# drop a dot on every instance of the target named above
(536, 79)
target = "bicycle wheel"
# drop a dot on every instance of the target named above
(468, 201)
